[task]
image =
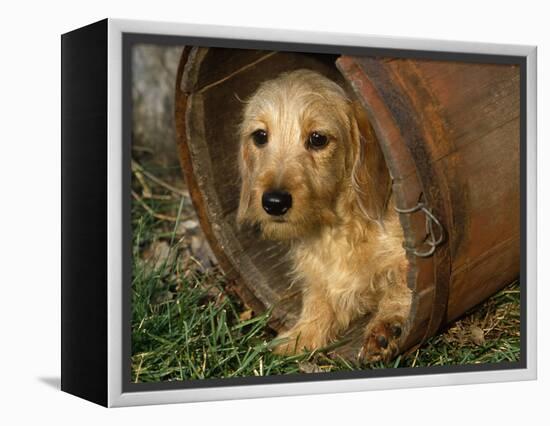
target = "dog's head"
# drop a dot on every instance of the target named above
(305, 148)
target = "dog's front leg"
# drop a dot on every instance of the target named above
(316, 327)
(382, 336)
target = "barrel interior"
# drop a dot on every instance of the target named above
(213, 85)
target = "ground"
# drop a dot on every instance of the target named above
(186, 326)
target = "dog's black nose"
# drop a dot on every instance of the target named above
(276, 203)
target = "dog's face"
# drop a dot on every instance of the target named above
(300, 143)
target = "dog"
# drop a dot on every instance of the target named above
(313, 174)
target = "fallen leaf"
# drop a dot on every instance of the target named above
(161, 296)
(309, 367)
(158, 253)
(201, 252)
(477, 336)
(245, 315)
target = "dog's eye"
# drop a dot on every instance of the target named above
(317, 140)
(260, 137)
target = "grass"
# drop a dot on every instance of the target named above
(186, 326)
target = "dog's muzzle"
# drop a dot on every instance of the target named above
(276, 203)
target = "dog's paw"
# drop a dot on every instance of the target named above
(298, 339)
(382, 339)
(288, 345)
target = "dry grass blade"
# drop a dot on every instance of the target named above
(149, 210)
(136, 167)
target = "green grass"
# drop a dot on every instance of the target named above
(196, 335)
(186, 326)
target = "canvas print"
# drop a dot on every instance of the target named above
(299, 213)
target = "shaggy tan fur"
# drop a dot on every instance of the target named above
(345, 243)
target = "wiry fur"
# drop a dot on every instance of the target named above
(345, 243)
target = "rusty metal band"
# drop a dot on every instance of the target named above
(390, 88)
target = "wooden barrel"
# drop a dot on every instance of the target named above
(450, 135)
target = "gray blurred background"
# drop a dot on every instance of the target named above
(154, 74)
(158, 188)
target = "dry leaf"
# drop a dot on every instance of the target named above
(477, 336)
(309, 367)
(245, 315)
(201, 252)
(189, 226)
(161, 296)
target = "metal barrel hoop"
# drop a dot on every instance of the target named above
(433, 239)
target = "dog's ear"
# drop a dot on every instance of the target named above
(244, 170)
(370, 175)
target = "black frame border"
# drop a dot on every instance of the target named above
(84, 237)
